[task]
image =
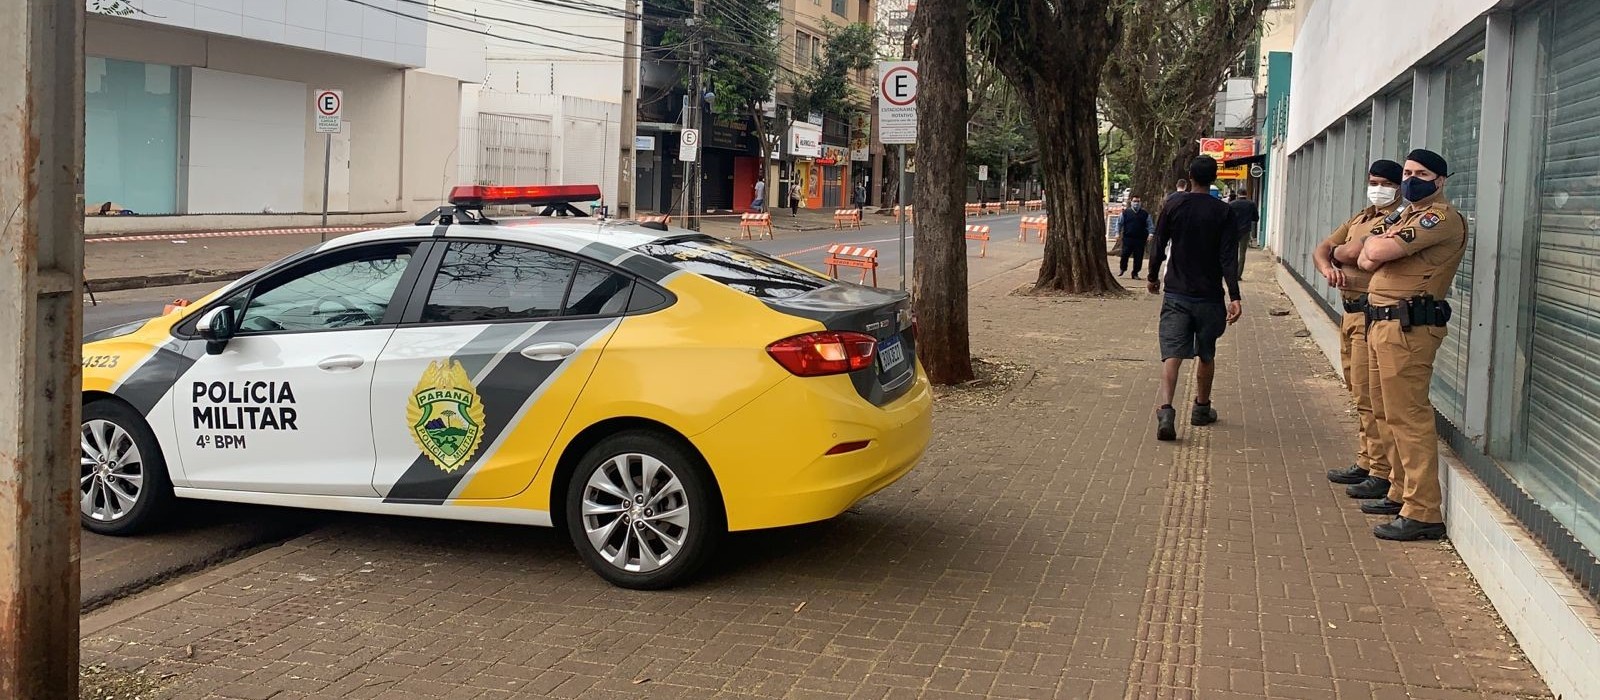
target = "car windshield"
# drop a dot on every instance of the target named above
(747, 270)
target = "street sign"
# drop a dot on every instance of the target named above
(327, 106)
(983, 173)
(689, 145)
(897, 102)
(1256, 170)
(644, 143)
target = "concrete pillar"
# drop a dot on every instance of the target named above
(41, 273)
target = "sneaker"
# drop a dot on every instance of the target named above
(1166, 423)
(1202, 415)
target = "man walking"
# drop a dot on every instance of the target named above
(1245, 216)
(1413, 263)
(759, 203)
(1336, 259)
(1134, 225)
(1180, 188)
(1193, 313)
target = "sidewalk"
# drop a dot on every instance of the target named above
(1048, 547)
(163, 259)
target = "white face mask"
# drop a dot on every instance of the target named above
(1381, 195)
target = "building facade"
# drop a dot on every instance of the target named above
(198, 114)
(1508, 91)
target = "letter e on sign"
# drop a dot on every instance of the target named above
(327, 106)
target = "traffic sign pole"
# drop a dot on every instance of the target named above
(903, 216)
(326, 108)
(327, 167)
(897, 124)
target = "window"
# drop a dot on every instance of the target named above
(741, 268)
(497, 282)
(346, 289)
(1558, 434)
(802, 48)
(596, 290)
(1463, 116)
(130, 135)
(839, 8)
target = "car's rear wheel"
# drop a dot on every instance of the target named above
(642, 511)
(123, 484)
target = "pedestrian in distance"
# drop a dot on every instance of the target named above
(758, 203)
(1181, 187)
(1412, 263)
(1134, 225)
(1245, 214)
(794, 196)
(861, 195)
(1336, 259)
(1195, 311)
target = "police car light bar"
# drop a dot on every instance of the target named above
(537, 195)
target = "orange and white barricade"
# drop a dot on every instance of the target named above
(852, 256)
(1036, 225)
(980, 233)
(1035, 204)
(754, 225)
(847, 218)
(662, 219)
(906, 211)
(974, 209)
(174, 306)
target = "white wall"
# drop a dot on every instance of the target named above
(245, 129)
(394, 34)
(534, 50)
(586, 135)
(1341, 61)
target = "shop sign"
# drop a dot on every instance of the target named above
(805, 140)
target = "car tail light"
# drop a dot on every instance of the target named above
(825, 353)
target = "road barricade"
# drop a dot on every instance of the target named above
(663, 219)
(754, 225)
(847, 218)
(866, 259)
(974, 209)
(907, 210)
(1036, 225)
(1034, 204)
(980, 233)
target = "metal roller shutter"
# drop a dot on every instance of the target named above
(1463, 117)
(1561, 432)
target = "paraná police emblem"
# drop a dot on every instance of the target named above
(446, 415)
(1428, 220)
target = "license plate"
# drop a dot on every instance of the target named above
(891, 355)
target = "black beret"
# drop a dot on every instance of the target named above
(1387, 169)
(1430, 160)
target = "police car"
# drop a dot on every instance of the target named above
(643, 387)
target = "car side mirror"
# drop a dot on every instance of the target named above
(217, 327)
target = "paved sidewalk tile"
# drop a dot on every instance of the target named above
(1048, 547)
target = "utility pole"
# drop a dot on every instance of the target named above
(697, 102)
(41, 311)
(628, 156)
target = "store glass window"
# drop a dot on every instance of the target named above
(1556, 443)
(131, 135)
(1463, 116)
(1402, 107)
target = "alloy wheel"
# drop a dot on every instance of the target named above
(636, 512)
(112, 474)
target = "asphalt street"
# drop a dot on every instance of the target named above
(204, 534)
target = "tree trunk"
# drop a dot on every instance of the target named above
(1065, 123)
(939, 273)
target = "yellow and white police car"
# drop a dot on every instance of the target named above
(645, 388)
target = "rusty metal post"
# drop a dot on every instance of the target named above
(41, 309)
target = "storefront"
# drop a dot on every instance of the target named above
(131, 135)
(1509, 98)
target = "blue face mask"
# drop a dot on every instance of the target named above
(1416, 189)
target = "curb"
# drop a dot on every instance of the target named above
(115, 284)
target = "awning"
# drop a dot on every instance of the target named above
(1260, 158)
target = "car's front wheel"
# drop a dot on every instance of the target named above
(123, 484)
(642, 511)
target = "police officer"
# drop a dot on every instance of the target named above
(1336, 259)
(1413, 262)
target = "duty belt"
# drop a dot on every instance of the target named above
(1416, 311)
(1356, 305)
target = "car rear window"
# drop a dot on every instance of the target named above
(745, 269)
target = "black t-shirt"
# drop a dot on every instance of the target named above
(1245, 214)
(1205, 247)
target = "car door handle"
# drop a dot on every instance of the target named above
(341, 363)
(549, 352)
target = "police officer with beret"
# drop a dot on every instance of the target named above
(1336, 259)
(1412, 264)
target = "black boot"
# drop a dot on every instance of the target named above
(1373, 487)
(1202, 415)
(1348, 475)
(1166, 423)
(1383, 507)
(1403, 529)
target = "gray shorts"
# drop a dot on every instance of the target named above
(1191, 328)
